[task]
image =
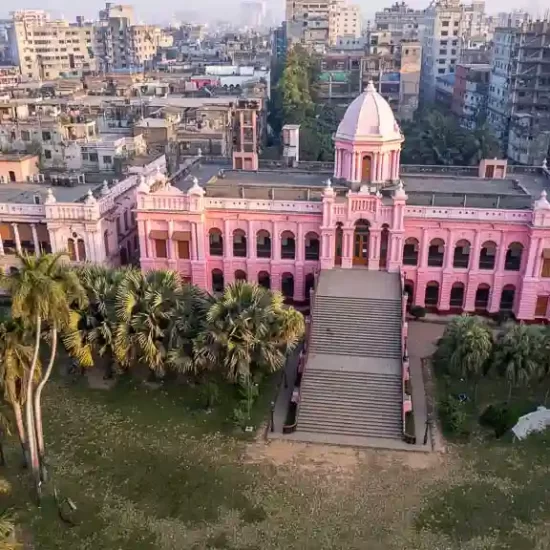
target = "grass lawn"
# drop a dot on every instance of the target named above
(148, 469)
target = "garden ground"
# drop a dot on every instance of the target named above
(151, 469)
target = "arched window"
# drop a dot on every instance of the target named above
(431, 297)
(461, 256)
(409, 291)
(482, 297)
(264, 279)
(513, 257)
(81, 250)
(410, 251)
(312, 246)
(287, 285)
(457, 296)
(288, 245)
(263, 244)
(216, 242)
(309, 285)
(436, 252)
(507, 298)
(239, 243)
(106, 242)
(71, 250)
(487, 255)
(338, 244)
(217, 280)
(240, 275)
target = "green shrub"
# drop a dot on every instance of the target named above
(454, 417)
(502, 417)
(418, 312)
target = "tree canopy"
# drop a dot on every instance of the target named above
(435, 138)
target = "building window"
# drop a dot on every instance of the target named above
(161, 249)
(107, 159)
(47, 154)
(93, 157)
(46, 136)
(25, 135)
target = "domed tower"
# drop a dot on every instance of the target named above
(368, 142)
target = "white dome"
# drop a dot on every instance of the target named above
(368, 116)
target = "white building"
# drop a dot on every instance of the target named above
(402, 21)
(441, 44)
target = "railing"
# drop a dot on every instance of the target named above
(410, 260)
(479, 214)
(488, 264)
(435, 260)
(461, 261)
(263, 251)
(23, 209)
(314, 207)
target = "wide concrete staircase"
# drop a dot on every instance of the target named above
(352, 383)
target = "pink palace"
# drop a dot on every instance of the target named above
(464, 238)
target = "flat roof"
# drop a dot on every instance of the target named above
(24, 192)
(15, 157)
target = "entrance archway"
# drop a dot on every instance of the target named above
(361, 243)
(287, 285)
(339, 241)
(310, 283)
(264, 279)
(409, 291)
(384, 239)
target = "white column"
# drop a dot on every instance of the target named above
(35, 240)
(227, 240)
(16, 238)
(336, 163)
(1, 247)
(142, 231)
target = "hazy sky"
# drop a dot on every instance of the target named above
(163, 10)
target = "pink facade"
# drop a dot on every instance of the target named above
(453, 258)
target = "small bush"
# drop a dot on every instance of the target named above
(502, 417)
(418, 312)
(454, 416)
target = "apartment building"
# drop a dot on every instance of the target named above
(318, 24)
(441, 44)
(475, 23)
(46, 50)
(519, 91)
(123, 45)
(469, 103)
(400, 20)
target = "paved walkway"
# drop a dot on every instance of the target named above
(285, 392)
(421, 343)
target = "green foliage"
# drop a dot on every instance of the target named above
(434, 138)
(454, 417)
(501, 417)
(518, 354)
(294, 102)
(465, 348)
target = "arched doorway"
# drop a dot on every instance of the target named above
(361, 243)
(287, 285)
(482, 298)
(408, 288)
(217, 280)
(339, 242)
(384, 239)
(457, 296)
(309, 285)
(431, 297)
(240, 275)
(123, 256)
(366, 168)
(507, 298)
(264, 279)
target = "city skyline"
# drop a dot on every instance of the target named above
(204, 9)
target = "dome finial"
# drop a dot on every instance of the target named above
(370, 87)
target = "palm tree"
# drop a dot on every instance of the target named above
(7, 527)
(187, 322)
(248, 329)
(91, 329)
(145, 308)
(465, 348)
(517, 354)
(41, 293)
(16, 353)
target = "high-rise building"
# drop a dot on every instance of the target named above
(317, 24)
(253, 13)
(519, 91)
(45, 49)
(441, 44)
(121, 44)
(402, 21)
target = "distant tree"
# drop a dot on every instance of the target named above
(437, 139)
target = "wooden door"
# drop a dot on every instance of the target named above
(542, 306)
(361, 249)
(365, 169)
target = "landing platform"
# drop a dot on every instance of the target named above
(348, 363)
(359, 283)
